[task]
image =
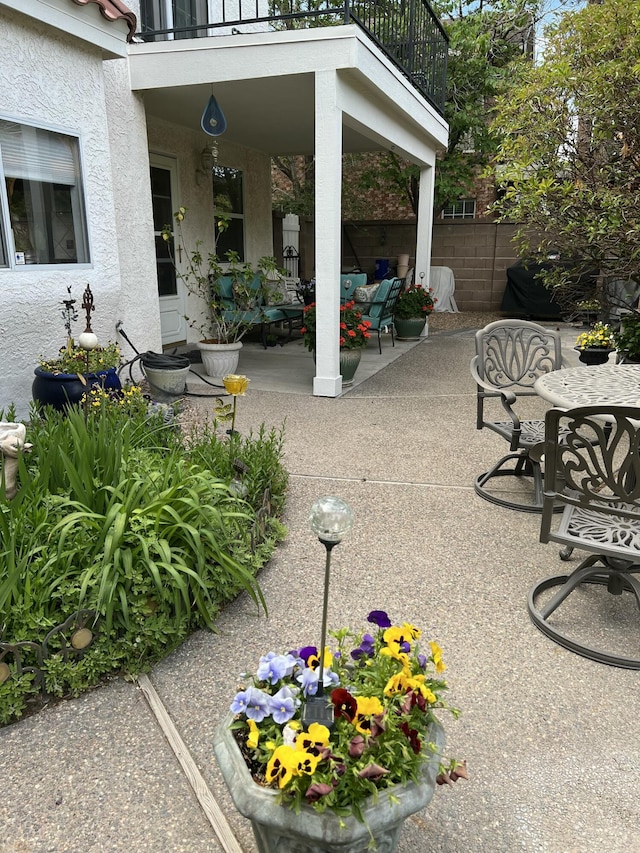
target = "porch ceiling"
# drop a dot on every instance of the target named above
(271, 114)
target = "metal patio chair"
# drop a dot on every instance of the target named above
(593, 475)
(510, 356)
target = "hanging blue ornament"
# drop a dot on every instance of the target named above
(213, 121)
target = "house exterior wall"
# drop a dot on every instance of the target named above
(57, 81)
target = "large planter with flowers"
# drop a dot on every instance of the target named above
(594, 355)
(353, 337)
(64, 389)
(331, 774)
(596, 344)
(278, 829)
(409, 328)
(411, 313)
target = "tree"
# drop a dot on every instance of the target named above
(570, 145)
(489, 42)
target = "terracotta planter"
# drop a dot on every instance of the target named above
(409, 328)
(349, 361)
(63, 389)
(220, 359)
(279, 829)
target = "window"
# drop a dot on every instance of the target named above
(173, 14)
(228, 204)
(42, 188)
(162, 215)
(462, 209)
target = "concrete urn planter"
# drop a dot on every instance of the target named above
(278, 829)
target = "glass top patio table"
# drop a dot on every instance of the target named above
(605, 384)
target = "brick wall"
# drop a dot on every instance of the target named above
(477, 251)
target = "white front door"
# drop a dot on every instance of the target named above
(171, 289)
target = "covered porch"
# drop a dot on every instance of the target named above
(323, 91)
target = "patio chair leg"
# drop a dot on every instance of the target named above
(616, 579)
(523, 467)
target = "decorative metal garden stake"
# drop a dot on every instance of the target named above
(87, 341)
(330, 519)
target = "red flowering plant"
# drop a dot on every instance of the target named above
(415, 301)
(384, 692)
(354, 331)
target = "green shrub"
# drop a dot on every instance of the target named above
(117, 513)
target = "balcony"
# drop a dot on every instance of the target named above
(407, 32)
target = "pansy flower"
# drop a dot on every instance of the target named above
(273, 668)
(365, 649)
(367, 708)
(436, 656)
(282, 705)
(379, 618)
(282, 765)
(344, 704)
(314, 740)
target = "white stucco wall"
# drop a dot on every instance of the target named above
(195, 191)
(133, 227)
(55, 80)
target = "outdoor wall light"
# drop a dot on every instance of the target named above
(331, 519)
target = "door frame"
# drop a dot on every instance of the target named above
(170, 164)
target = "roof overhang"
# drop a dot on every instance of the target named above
(265, 85)
(86, 22)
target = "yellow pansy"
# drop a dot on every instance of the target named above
(282, 765)
(316, 738)
(436, 654)
(367, 707)
(253, 736)
(306, 763)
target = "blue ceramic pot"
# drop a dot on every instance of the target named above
(63, 389)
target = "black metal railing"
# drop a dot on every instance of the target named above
(406, 31)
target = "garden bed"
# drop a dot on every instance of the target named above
(128, 532)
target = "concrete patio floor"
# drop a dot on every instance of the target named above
(550, 738)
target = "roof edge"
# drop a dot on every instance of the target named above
(114, 10)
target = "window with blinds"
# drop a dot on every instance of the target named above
(42, 195)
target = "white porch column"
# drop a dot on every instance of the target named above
(424, 228)
(328, 180)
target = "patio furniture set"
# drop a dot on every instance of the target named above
(582, 466)
(376, 302)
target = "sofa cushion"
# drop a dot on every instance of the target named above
(366, 293)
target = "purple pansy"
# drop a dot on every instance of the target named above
(274, 667)
(257, 704)
(379, 618)
(282, 705)
(365, 649)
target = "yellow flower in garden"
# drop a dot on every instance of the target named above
(282, 765)
(254, 735)
(306, 763)
(367, 707)
(316, 738)
(235, 384)
(436, 654)
(417, 685)
(400, 639)
(398, 683)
